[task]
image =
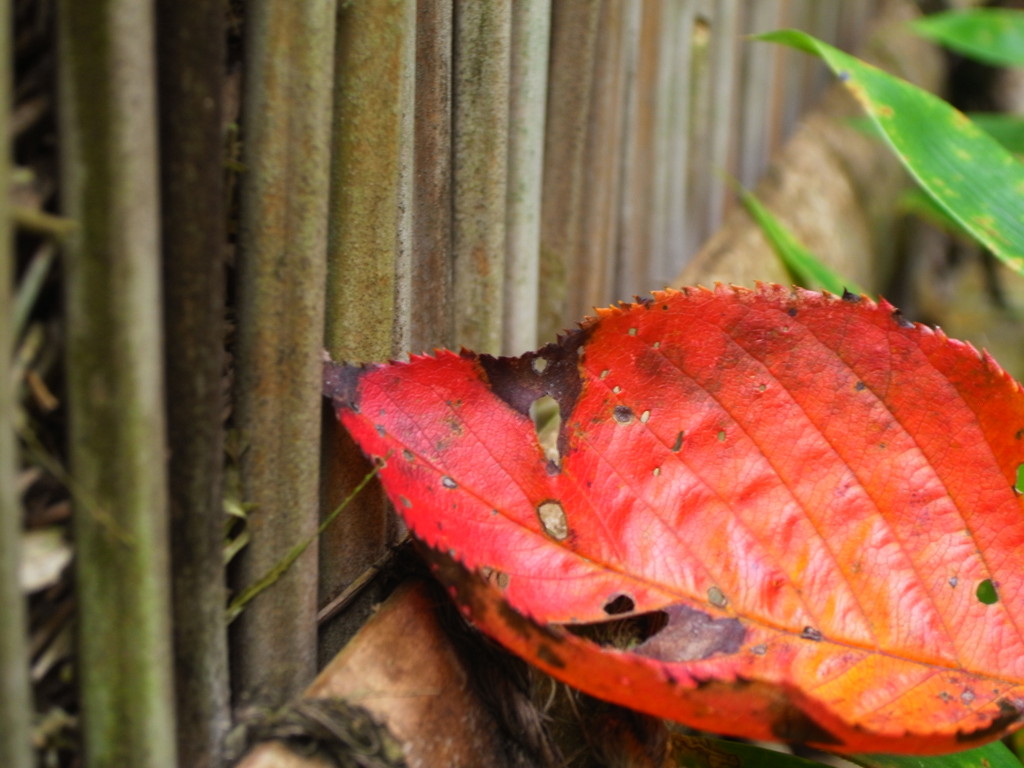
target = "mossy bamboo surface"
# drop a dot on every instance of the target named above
(282, 269)
(531, 32)
(115, 406)
(480, 158)
(15, 694)
(369, 288)
(191, 43)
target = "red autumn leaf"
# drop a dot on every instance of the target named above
(809, 499)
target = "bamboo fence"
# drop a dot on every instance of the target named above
(410, 175)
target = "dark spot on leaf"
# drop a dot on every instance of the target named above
(987, 592)
(853, 298)
(953, 581)
(1009, 714)
(1019, 434)
(690, 635)
(678, 444)
(810, 633)
(341, 383)
(795, 725)
(448, 483)
(844, 76)
(619, 604)
(759, 650)
(517, 382)
(860, 386)
(405, 502)
(380, 429)
(549, 657)
(622, 414)
(407, 455)
(791, 311)
(901, 321)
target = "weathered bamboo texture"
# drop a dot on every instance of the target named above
(15, 693)
(115, 383)
(574, 35)
(369, 265)
(531, 30)
(282, 268)
(433, 312)
(482, 33)
(191, 74)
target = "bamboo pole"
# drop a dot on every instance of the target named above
(15, 693)
(633, 261)
(433, 312)
(480, 163)
(574, 29)
(191, 58)
(282, 268)
(369, 262)
(531, 30)
(595, 266)
(115, 406)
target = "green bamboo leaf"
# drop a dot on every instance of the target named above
(968, 173)
(992, 755)
(1008, 130)
(807, 268)
(992, 35)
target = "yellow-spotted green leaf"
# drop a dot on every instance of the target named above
(992, 755)
(968, 173)
(807, 268)
(1008, 130)
(992, 35)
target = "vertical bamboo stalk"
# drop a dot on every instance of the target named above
(634, 260)
(15, 693)
(677, 132)
(115, 405)
(757, 86)
(433, 317)
(369, 261)
(574, 26)
(531, 30)
(480, 163)
(191, 73)
(282, 268)
(596, 262)
(724, 39)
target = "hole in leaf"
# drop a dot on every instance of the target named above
(987, 593)
(619, 604)
(1018, 486)
(717, 597)
(448, 483)
(539, 364)
(625, 633)
(552, 520)
(547, 420)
